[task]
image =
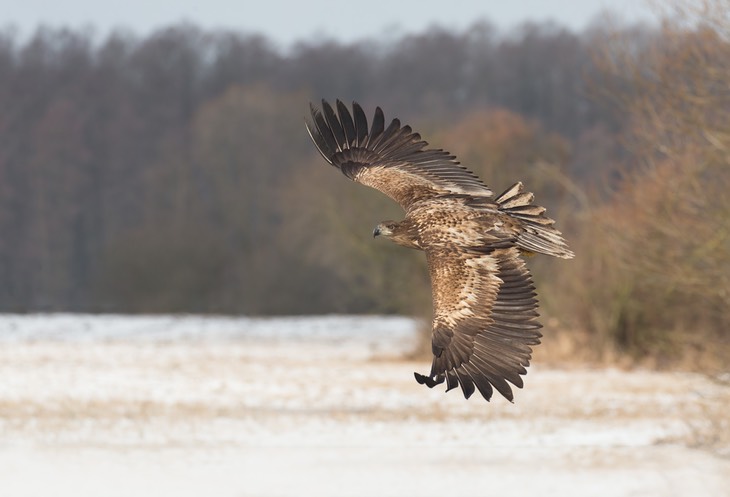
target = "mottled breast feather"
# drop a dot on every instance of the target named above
(393, 160)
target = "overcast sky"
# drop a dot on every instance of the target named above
(288, 21)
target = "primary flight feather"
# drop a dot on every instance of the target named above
(484, 306)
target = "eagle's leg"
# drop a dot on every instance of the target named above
(430, 382)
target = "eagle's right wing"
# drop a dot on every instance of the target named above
(393, 159)
(485, 320)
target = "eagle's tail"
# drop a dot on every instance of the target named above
(538, 234)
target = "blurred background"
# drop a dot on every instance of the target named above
(170, 241)
(158, 163)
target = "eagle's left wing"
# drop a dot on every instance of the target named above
(392, 159)
(485, 320)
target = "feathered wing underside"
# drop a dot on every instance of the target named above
(393, 160)
(485, 320)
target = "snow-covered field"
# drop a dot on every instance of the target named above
(192, 406)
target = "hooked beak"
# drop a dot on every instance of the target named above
(382, 229)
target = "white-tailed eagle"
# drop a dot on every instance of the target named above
(484, 306)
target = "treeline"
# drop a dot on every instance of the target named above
(162, 173)
(172, 173)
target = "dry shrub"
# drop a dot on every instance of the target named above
(660, 266)
(652, 277)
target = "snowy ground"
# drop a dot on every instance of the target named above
(190, 406)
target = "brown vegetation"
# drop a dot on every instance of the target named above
(659, 247)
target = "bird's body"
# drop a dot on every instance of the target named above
(456, 221)
(485, 311)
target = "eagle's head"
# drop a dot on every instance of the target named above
(399, 233)
(386, 228)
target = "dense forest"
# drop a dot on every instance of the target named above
(172, 172)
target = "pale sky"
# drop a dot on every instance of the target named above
(285, 22)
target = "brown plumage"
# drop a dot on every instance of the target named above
(484, 305)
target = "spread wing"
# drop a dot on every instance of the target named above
(393, 160)
(485, 320)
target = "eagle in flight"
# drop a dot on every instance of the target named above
(484, 306)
